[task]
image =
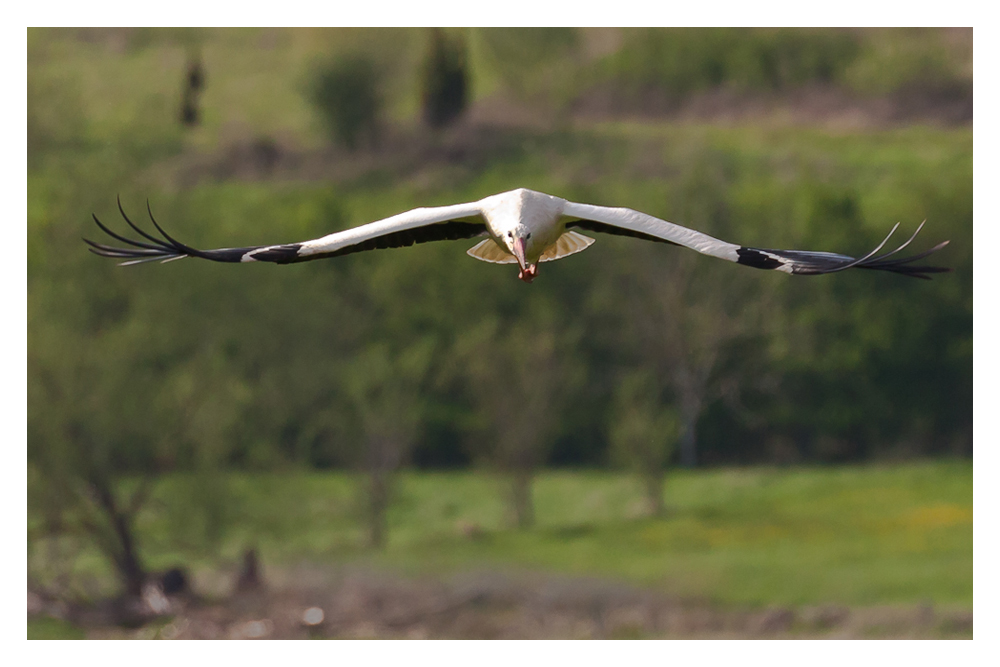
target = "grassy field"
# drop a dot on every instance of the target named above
(899, 534)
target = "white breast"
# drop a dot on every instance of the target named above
(537, 211)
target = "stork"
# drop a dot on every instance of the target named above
(520, 226)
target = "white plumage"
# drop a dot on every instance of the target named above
(521, 226)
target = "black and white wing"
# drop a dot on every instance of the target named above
(626, 222)
(421, 225)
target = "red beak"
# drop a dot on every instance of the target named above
(519, 253)
(527, 273)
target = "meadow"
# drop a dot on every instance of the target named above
(897, 534)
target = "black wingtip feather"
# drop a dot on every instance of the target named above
(140, 251)
(164, 249)
(904, 265)
(804, 262)
(121, 210)
(174, 242)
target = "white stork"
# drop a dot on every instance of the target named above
(521, 226)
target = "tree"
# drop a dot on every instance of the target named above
(643, 433)
(78, 460)
(194, 83)
(520, 375)
(445, 80)
(384, 387)
(346, 95)
(685, 316)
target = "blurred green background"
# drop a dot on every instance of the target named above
(638, 412)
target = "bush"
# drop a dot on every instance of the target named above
(346, 94)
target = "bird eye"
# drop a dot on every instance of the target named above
(528, 236)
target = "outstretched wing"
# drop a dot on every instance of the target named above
(421, 225)
(626, 222)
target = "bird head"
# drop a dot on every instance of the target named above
(516, 240)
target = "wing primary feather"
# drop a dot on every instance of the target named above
(901, 265)
(121, 252)
(146, 260)
(803, 262)
(139, 231)
(125, 239)
(177, 244)
(868, 256)
(907, 260)
(908, 242)
(159, 249)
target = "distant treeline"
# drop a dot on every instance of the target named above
(682, 60)
(648, 71)
(197, 364)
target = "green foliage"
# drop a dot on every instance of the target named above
(679, 61)
(201, 512)
(644, 431)
(445, 82)
(522, 377)
(54, 121)
(894, 60)
(676, 62)
(383, 388)
(535, 64)
(346, 93)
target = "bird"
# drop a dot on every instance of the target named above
(520, 226)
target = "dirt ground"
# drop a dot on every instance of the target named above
(354, 604)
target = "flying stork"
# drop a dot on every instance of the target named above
(521, 226)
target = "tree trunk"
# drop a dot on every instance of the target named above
(691, 382)
(249, 577)
(378, 502)
(123, 549)
(689, 433)
(130, 567)
(689, 454)
(654, 493)
(524, 507)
